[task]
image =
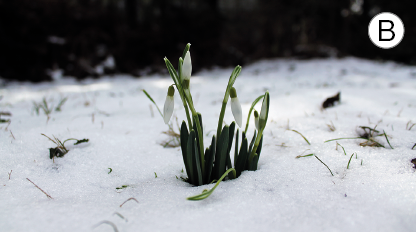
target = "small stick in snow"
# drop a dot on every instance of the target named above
(10, 173)
(40, 189)
(398, 115)
(92, 117)
(12, 135)
(106, 222)
(7, 127)
(131, 198)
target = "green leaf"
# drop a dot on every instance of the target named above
(60, 104)
(151, 99)
(184, 146)
(263, 122)
(242, 157)
(230, 143)
(197, 164)
(81, 141)
(302, 136)
(258, 151)
(205, 193)
(251, 109)
(234, 76)
(187, 47)
(236, 148)
(250, 147)
(221, 154)
(253, 165)
(210, 160)
(189, 157)
(175, 77)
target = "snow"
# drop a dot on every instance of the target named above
(284, 194)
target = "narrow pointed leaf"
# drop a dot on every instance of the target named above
(184, 146)
(242, 157)
(221, 154)
(189, 157)
(253, 165)
(258, 151)
(236, 148)
(206, 194)
(187, 47)
(210, 160)
(197, 164)
(153, 101)
(230, 143)
(251, 109)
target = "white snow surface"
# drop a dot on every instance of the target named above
(376, 193)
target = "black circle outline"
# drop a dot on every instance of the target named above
(404, 30)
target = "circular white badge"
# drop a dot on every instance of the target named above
(386, 30)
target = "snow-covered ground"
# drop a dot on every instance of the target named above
(376, 193)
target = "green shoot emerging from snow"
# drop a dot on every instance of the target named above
(203, 166)
(60, 150)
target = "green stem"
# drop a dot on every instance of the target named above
(201, 142)
(198, 128)
(187, 113)
(207, 193)
(256, 144)
(220, 120)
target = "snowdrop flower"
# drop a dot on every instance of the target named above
(186, 72)
(264, 113)
(169, 104)
(236, 107)
(256, 119)
(187, 66)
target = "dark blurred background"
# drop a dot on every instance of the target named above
(100, 37)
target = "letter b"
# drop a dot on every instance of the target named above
(381, 29)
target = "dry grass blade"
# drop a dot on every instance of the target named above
(108, 223)
(40, 189)
(131, 198)
(348, 166)
(331, 126)
(302, 136)
(324, 164)
(50, 139)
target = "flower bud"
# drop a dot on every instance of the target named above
(236, 107)
(169, 105)
(256, 119)
(264, 111)
(187, 66)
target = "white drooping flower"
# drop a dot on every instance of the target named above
(236, 107)
(187, 66)
(256, 120)
(169, 105)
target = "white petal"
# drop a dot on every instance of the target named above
(187, 66)
(263, 112)
(168, 108)
(256, 122)
(237, 112)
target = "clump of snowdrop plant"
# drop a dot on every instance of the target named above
(214, 163)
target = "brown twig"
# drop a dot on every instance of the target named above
(10, 173)
(131, 198)
(12, 135)
(39, 189)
